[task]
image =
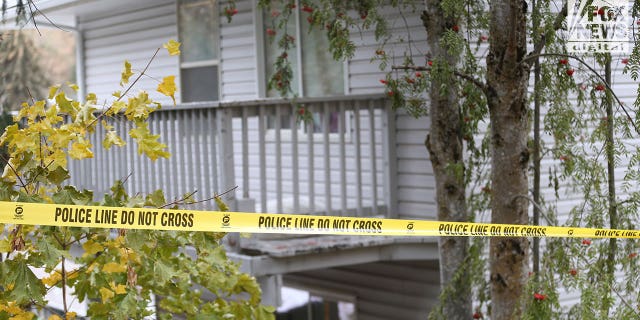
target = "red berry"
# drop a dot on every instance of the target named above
(301, 111)
(284, 55)
(573, 272)
(307, 9)
(563, 158)
(418, 74)
(363, 16)
(601, 11)
(275, 13)
(430, 63)
(477, 315)
(484, 38)
(292, 6)
(271, 32)
(409, 80)
(638, 22)
(570, 72)
(539, 296)
(632, 255)
(600, 87)
(390, 93)
(310, 19)
(380, 52)
(564, 61)
(625, 60)
(383, 81)
(455, 28)
(586, 242)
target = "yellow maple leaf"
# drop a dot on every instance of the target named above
(119, 289)
(81, 150)
(168, 87)
(126, 73)
(23, 316)
(173, 47)
(70, 315)
(112, 138)
(111, 267)
(106, 294)
(52, 279)
(91, 247)
(52, 91)
(54, 317)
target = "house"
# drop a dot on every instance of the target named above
(357, 157)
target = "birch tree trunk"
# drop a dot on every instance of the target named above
(445, 146)
(507, 80)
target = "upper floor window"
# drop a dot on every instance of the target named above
(315, 72)
(198, 29)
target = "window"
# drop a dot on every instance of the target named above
(199, 31)
(316, 73)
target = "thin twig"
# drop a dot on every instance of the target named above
(482, 86)
(31, 2)
(22, 184)
(100, 116)
(199, 201)
(177, 202)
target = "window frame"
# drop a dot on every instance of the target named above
(261, 43)
(182, 65)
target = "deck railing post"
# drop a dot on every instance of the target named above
(225, 146)
(390, 158)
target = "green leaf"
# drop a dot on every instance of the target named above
(49, 254)
(26, 285)
(70, 195)
(163, 272)
(155, 199)
(58, 175)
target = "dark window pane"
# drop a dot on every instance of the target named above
(199, 84)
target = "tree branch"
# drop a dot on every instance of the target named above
(100, 116)
(482, 86)
(557, 24)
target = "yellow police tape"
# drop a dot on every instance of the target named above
(193, 220)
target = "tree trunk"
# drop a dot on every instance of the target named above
(445, 146)
(507, 80)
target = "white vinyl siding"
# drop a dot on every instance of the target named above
(238, 54)
(132, 34)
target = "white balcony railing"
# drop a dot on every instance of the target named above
(340, 163)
